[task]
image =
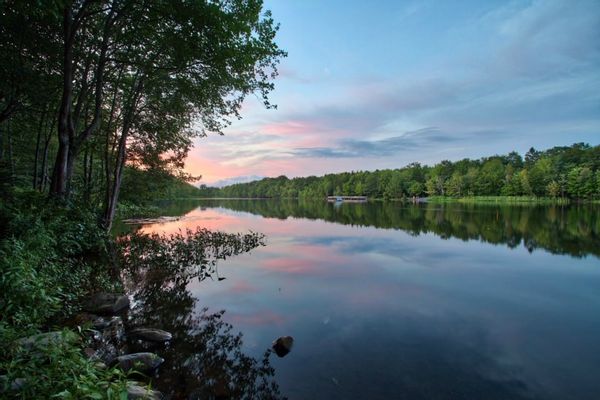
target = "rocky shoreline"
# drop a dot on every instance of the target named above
(106, 341)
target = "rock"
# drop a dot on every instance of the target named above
(107, 303)
(11, 386)
(283, 345)
(107, 353)
(115, 330)
(44, 339)
(89, 352)
(82, 319)
(107, 344)
(142, 362)
(100, 365)
(150, 334)
(137, 391)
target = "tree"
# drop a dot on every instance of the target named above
(553, 189)
(454, 186)
(415, 189)
(129, 81)
(581, 182)
(540, 174)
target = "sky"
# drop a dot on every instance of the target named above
(380, 84)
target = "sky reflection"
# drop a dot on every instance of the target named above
(380, 313)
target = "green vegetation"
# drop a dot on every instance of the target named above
(59, 369)
(499, 200)
(50, 257)
(100, 102)
(103, 97)
(559, 173)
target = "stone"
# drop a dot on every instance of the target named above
(115, 330)
(100, 365)
(89, 352)
(11, 386)
(84, 318)
(136, 391)
(142, 362)
(283, 345)
(150, 334)
(44, 339)
(107, 303)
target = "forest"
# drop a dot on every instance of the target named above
(100, 102)
(97, 93)
(571, 172)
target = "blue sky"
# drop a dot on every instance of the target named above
(380, 84)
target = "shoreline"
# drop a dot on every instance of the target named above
(508, 200)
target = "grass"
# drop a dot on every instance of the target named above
(499, 200)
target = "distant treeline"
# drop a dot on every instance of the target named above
(559, 229)
(560, 172)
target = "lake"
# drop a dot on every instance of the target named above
(398, 301)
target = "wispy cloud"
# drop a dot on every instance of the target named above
(498, 78)
(409, 141)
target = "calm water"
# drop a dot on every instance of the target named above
(391, 301)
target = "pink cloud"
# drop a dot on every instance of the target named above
(240, 287)
(262, 318)
(289, 128)
(291, 266)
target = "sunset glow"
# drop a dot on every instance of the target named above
(415, 82)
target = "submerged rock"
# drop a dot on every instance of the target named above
(150, 334)
(142, 362)
(283, 345)
(107, 303)
(136, 391)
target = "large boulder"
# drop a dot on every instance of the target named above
(150, 334)
(137, 391)
(45, 339)
(107, 303)
(142, 362)
(283, 345)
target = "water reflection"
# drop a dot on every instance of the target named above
(428, 309)
(204, 360)
(573, 230)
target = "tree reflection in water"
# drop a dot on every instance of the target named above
(558, 229)
(204, 359)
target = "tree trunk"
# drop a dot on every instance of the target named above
(113, 190)
(69, 143)
(85, 168)
(87, 174)
(44, 169)
(11, 160)
(35, 162)
(48, 138)
(1, 143)
(59, 183)
(35, 180)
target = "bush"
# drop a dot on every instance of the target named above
(49, 257)
(57, 369)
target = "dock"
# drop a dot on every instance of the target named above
(347, 199)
